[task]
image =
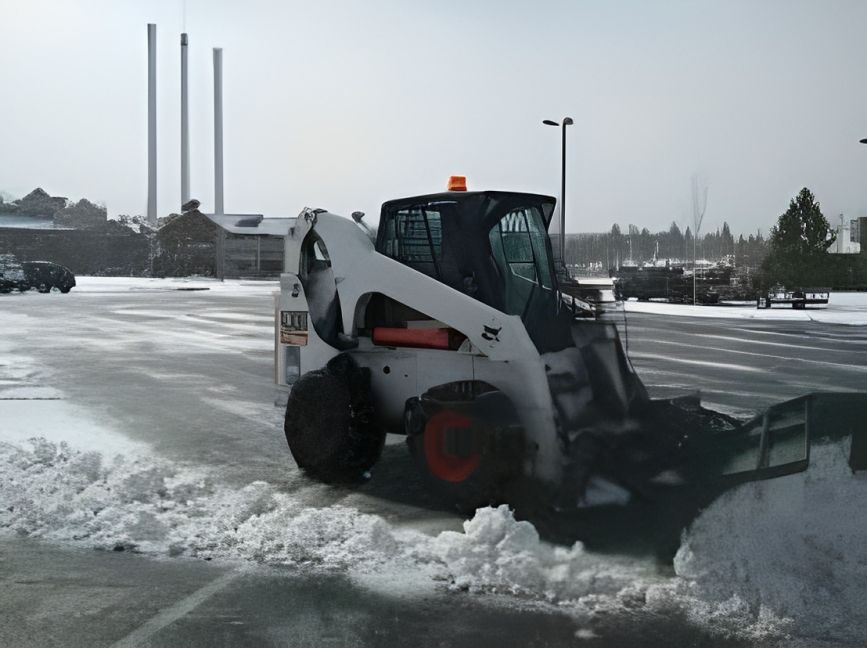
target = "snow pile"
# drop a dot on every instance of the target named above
(499, 554)
(53, 492)
(796, 546)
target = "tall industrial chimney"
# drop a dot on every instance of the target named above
(218, 131)
(185, 126)
(218, 162)
(152, 124)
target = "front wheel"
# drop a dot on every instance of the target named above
(330, 424)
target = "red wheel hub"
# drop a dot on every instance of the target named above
(442, 464)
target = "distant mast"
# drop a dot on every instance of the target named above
(152, 125)
(218, 161)
(218, 131)
(185, 126)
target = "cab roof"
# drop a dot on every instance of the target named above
(484, 199)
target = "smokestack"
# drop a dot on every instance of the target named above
(185, 126)
(152, 124)
(220, 265)
(218, 131)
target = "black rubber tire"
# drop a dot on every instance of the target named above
(65, 289)
(330, 424)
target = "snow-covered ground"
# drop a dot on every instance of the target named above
(135, 284)
(774, 559)
(843, 308)
(769, 559)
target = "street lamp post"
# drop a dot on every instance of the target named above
(862, 237)
(567, 121)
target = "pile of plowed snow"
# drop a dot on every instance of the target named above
(795, 547)
(774, 557)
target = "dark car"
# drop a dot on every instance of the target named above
(11, 274)
(45, 275)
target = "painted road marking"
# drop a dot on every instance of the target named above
(171, 614)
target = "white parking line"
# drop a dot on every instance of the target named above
(700, 363)
(785, 345)
(826, 363)
(171, 614)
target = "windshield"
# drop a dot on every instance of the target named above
(519, 247)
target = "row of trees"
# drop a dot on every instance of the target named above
(615, 248)
(795, 253)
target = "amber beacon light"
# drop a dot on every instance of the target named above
(457, 183)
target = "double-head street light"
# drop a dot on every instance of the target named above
(567, 121)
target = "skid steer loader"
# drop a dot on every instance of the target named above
(446, 325)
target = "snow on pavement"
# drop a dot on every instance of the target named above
(843, 308)
(137, 284)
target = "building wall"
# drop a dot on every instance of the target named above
(114, 250)
(253, 256)
(187, 245)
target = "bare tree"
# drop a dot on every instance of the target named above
(699, 205)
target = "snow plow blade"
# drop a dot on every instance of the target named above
(778, 442)
(680, 444)
(648, 486)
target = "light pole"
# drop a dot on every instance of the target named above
(862, 237)
(567, 121)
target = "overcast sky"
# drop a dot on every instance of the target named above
(344, 105)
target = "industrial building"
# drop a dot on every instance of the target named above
(849, 236)
(226, 245)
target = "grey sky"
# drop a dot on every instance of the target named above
(346, 104)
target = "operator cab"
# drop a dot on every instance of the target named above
(490, 245)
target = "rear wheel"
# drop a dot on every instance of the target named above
(467, 459)
(330, 424)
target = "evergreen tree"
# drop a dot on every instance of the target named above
(798, 246)
(728, 241)
(674, 248)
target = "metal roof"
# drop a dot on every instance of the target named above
(253, 224)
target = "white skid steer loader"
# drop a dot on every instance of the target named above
(449, 328)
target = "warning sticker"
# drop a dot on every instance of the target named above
(293, 328)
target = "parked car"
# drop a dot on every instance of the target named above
(11, 274)
(45, 275)
(42, 275)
